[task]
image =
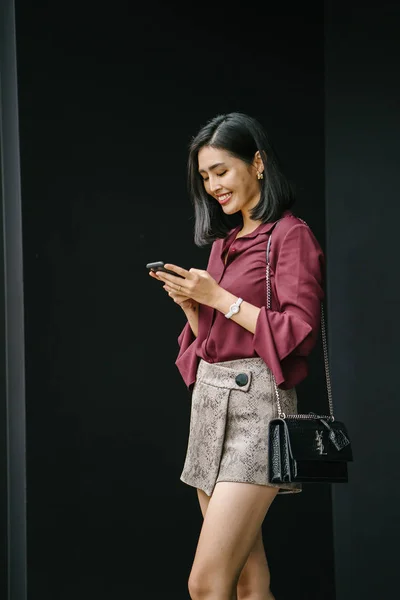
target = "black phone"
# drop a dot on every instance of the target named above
(159, 266)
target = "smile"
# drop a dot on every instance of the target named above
(224, 198)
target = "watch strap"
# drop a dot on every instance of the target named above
(234, 308)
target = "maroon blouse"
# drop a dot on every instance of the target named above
(284, 334)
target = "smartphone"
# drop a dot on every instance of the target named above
(159, 266)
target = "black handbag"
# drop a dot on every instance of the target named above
(307, 448)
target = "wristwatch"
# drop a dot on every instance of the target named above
(234, 308)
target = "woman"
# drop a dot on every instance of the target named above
(234, 349)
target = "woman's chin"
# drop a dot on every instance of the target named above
(230, 210)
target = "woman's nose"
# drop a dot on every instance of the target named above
(214, 185)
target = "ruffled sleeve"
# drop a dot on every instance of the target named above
(187, 360)
(293, 329)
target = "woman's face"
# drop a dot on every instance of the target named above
(232, 182)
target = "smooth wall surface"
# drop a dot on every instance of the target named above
(109, 99)
(12, 358)
(3, 391)
(362, 166)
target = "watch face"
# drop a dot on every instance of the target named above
(235, 309)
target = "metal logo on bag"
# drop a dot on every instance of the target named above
(319, 440)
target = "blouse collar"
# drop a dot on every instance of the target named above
(262, 228)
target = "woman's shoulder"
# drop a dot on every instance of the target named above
(290, 221)
(292, 226)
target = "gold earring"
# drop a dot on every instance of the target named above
(260, 175)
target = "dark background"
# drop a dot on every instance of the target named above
(362, 234)
(108, 100)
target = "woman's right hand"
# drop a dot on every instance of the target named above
(188, 305)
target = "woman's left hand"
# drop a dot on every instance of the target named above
(197, 284)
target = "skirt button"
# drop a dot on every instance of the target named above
(241, 379)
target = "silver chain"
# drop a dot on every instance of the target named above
(281, 414)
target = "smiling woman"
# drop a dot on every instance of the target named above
(233, 153)
(230, 180)
(236, 347)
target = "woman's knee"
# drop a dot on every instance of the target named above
(208, 583)
(254, 580)
(253, 583)
(199, 585)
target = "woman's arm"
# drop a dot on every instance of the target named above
(299, 293)
(299, 277)
(247, 315)
(189, 306)
(191, 310)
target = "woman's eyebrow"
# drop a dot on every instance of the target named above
(214, 166)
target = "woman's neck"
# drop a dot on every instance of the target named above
(248, 226)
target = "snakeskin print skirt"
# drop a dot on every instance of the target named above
(232, 404)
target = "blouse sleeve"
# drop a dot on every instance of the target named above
(293, 329)
(187, 359)
(185, 338)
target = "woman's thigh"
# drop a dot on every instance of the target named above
(203, 501)
(256, 561)
(233, 518)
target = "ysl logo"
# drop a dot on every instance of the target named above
(320, 445)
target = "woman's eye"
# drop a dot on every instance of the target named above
(217, 174)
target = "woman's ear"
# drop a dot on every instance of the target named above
(258, 162)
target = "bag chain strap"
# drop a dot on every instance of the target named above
(281, 414)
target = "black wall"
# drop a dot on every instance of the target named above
(362, 200)
(108, 101)
(107, 104)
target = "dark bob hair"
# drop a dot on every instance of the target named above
(241, 136)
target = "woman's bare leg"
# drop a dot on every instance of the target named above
(254, 581)
(232, 522)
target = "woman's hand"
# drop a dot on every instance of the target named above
(200, 287)
(197, 285)
(187, 304)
